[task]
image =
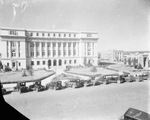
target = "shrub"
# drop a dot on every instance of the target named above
(24, 73)
(68, 67)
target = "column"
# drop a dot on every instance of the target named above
(40, 49)
(62, 52)
(46, 50)
(72, 48)
(86, 53)
(67, 49)
(34, 49)
(92, 49)
(76, 49)
(51, 48)
(28, 47)
(16, 49)
(9, 49)
(56, 49)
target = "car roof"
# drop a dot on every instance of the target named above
(137, 114)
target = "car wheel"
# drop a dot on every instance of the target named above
(105, 83)
(36, 89)
(85, 84)
(73, 86)
(118, 81)
(20, 91)
(137, 80)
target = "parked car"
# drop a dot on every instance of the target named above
(137, 76)
(135, 114)
(111, 78)
(3, 89)
(95, 80)
(145, 76)
(37, 86)
(127, 78)
(74, 83)
(21, 87)
(55, 85)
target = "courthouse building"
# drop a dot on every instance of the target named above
(21, 48)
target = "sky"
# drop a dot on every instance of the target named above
(121, 24)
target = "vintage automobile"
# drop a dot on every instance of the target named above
(127, 78)
(3, 89)
(37, 86)
(74, 83)
(145, 76)
(55, 85)
(95, 80)
(135, 114)
(21, 87)
(111, 78)
(137, 76)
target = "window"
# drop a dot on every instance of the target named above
(54, 35)
(69, 52)
(74, 52)
(49, 52)
(32, 54)
(75, 61)
(43, 53)
(31, 34)
(43, 62)
(37, 34)
(89, 35)
(13, 64)
(32, 62)
(65, 61)
(59, 35)
(7, 64)
(42, 34)
(69, 35)
(64, 35)
(48, 34)
(54, 52)
(59, 52)
(43, 44)
(12, 32)
(19, 64)
(38, 62)
(74, 35)
(70, 61)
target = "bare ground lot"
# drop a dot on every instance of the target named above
(103, 102)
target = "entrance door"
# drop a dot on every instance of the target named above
(13, 64)
(49, 63)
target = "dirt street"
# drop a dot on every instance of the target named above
(102, 102)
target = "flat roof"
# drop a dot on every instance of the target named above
(44, 30)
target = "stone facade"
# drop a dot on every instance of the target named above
(44, 49)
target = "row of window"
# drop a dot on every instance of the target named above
(14, 32)
(49, 63)
(14, 64)
(53, 54)
(37, 44)
(54, 34)
(13, 49)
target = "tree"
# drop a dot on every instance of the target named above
(1, 66)
(93, 69)
(125, 61)
(134, 62)
(129, 61)
(85, 60)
